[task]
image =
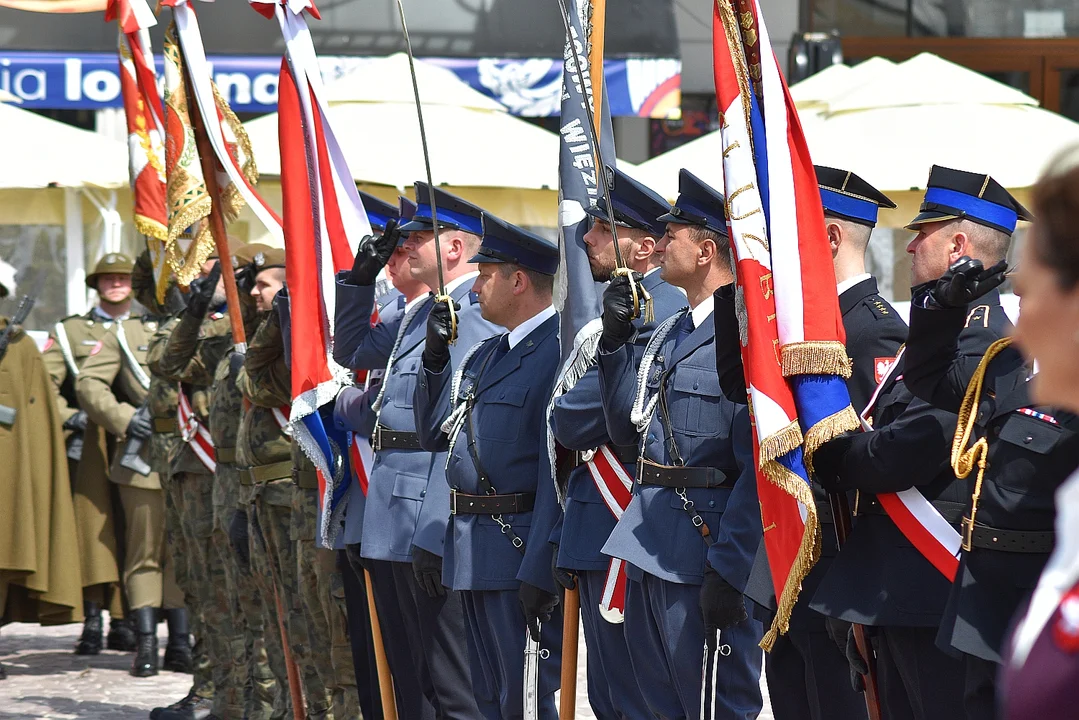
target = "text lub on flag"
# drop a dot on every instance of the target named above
(791, 329)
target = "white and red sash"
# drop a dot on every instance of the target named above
(194, 433)
(914, 515)
(615, 486)
(280, 415)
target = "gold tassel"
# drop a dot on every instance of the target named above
(842, 421)
(815, 357)
(151, 228)
(808, 553)
(780, 443)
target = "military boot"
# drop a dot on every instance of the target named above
(191, 707)
(178, 651)
(90, 641)
(145, 662)
(121, 635)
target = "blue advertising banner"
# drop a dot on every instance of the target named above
(644, 87)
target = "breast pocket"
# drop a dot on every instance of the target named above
(403, 377)
(1026, 441)
(694, 399)
(408, 493)
(500, 419)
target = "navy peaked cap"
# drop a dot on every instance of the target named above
(504, 242)
(635, 205)
(453, 212)
(379, 212)
(961, 195)
(845, 195)
(698, 204)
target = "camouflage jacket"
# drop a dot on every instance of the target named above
(265, 383)
(162, 404)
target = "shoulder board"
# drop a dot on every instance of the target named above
(878, 307)
(978, 317)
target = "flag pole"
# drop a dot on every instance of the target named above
(382, 664)
(217, 219)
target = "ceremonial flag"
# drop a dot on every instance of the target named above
(324, 223)
(190, 242)
(145, 116)
(791, 328)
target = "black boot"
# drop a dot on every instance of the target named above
(121, 635)
(145, 662)
(90, 640)
(178, 651)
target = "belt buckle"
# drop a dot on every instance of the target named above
(967, 528)
(453, 501)
(376, 441)
(640, 469)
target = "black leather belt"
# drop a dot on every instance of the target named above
(672, 476)
(1016, 541)
(951, 511)
(626, 454)
(386, 439)
(509, 504)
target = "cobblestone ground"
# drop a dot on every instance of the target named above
(47, 680)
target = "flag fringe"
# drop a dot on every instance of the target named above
(840, 422)
(779, 444)
(815, 357)
(151, 228)
(808, 552)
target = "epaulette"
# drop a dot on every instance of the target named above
(878, 307)
(978, 317)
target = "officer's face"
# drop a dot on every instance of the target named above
(113, 287)
(267, 283)
(599, 241)
(1048, 328)
(932, 249)
(679, 254)
(495, 291)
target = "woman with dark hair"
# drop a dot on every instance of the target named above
(1041, 666)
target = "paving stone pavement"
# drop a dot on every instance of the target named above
(47, 680)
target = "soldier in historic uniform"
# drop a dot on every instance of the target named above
(880, 578)
(96, 503)
(578, 424)
(39, 568)
(690, 531)
(407, 504)
(112, 388)
(502, 505)
(1008, 523)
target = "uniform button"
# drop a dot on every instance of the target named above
(711, 503)
(695, 385)
(502, 396)
(423, 493)
(651, 436)
(509, 518)
(1027, 440)
(394, 371)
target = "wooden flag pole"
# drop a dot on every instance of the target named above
(382, 664)
(595, 58)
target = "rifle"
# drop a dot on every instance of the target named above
(26, 304)
(131, 458)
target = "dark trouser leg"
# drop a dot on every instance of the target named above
(931, 682)
(809, 678)
(981, 688)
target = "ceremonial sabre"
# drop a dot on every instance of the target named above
(640, 295)
(442, 295)
(713, 648)
(533, 655)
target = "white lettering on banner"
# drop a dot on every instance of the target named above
(264, 89)
(573, 132)
(73, 79)
(101, 86)
(226, 82)
(19, 85)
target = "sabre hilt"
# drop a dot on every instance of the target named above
(445, 297)
(642, 299)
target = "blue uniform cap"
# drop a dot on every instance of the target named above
(379, 212)
(407, 209)
(845, 195)
(635, 205)
(507, 243)
(453, 212)
(698, 204)
(960, 195)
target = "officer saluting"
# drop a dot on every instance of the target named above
(1008, 522)
(502, 502)
(693, 525)
(578, 423)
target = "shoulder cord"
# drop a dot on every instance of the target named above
(133, 364)
(65, 349)
(455, 420)
(641, 413)
(405, 322)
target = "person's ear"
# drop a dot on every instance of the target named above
(835, 237)
(706, 252)
(645, 248)
(960, 246)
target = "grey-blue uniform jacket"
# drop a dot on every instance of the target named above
(579, 424)
(509, 418)
(407, 497)
(655, 534)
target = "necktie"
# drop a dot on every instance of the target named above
(501, 350)
(683, 328)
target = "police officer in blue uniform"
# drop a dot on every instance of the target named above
(1008, 524)
(408, 499)
(490, 416)
(808, 675)
(879, 578)
(578, 424)
(691, 530)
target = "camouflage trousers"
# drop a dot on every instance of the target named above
(180, 553)
(265, 654)
(322, 592)
(273, 505)
(207, 575)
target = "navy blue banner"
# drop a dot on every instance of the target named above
(645, 87)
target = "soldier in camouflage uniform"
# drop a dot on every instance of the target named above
(199, 341)
(265, 450)
(69, 345)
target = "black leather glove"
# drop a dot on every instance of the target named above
(565, 578)
(140, 426)
(828, 462)
(427, 567)
(245, 278)
(238, 537)
(175, 300)
(722, 606)
(436, 351)
(202, 292)
(373, 254)
(76, 422)
(618, 312)
(842, 634)
(537, 605)
(961, 284)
